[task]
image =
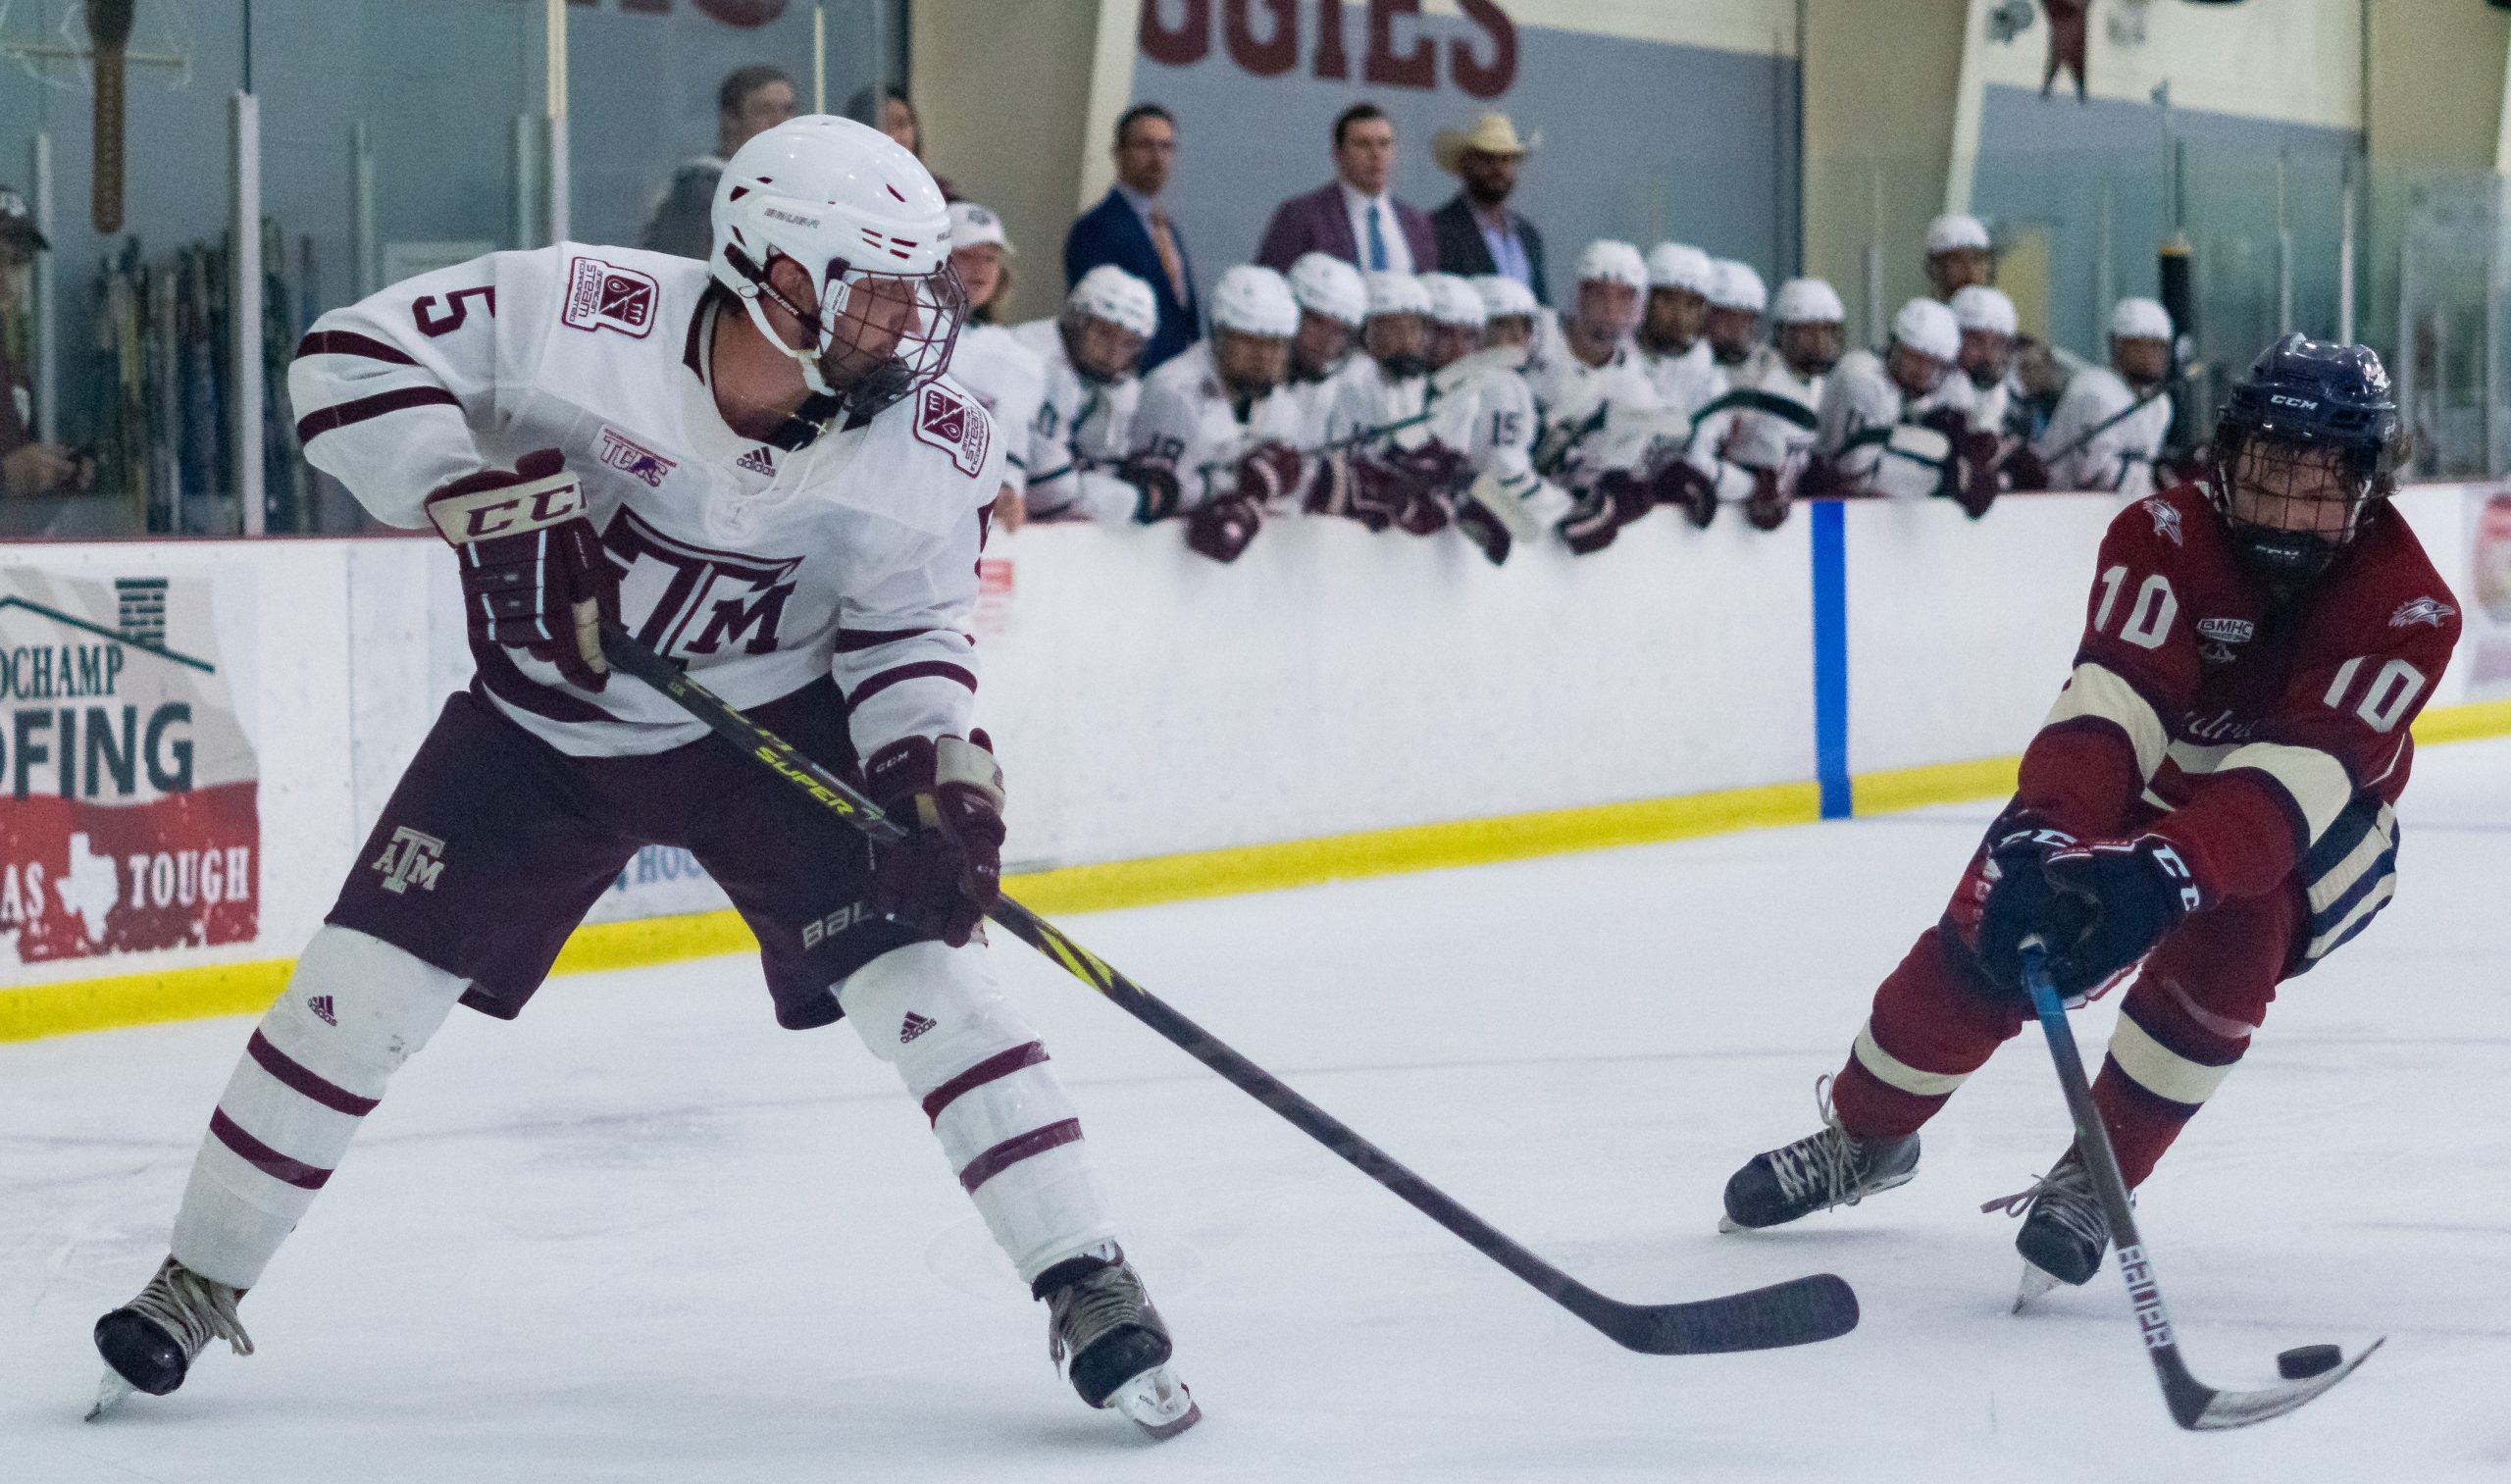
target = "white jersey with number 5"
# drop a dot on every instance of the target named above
(760, 566)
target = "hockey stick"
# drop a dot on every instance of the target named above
(2179, 382)
(2193, 1403)
(1796, 1312)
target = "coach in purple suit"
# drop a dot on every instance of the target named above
(1354, 218)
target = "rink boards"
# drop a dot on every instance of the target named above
(1336, 703)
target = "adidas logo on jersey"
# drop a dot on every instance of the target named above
(321, 1005)
(758, 461)
(913, 1026)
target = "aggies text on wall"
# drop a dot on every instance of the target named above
(1267, 38)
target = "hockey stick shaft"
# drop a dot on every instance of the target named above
(2194, 1404)
(2180, 381)
(1806, 1309)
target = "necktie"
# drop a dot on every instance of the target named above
(1165, 242)
(1377, 241)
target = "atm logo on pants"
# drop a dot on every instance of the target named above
(410, 858)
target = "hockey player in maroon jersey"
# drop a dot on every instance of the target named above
(760, 467)
(2212, 798)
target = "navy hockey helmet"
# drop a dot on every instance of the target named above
(2304, 447)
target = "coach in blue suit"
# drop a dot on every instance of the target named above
(1132, 229)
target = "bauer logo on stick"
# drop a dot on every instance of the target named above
(604, 296)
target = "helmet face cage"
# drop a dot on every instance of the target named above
(878, 337)
(2293, 504)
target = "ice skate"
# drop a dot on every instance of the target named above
(1103, 1331)
(149, 1343)
(1825, 1168)
(2064, 1233)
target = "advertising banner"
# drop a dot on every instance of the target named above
(2484, 643)
(130, 818)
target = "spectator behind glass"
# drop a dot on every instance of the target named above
(896, 117)
(1353, 217)
(26, 467)
(1006, 374)
(1132, 229)
(751, 101)
(1477, 232)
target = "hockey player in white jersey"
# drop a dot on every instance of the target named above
(1003, 373)
(1880, 432)
(1959, 253)
(1673, 330)
(1982, 390)
(1480, 407)
(1215, 417)
(1511, 318)
(1599, 410)
(2109, 426)
(1750, 445)
(758, 465)
(1332, 305)
(1737, 300)
(1378, 464)
(1081, 442)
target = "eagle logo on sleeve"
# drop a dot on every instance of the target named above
(2421, 610)
(2166, 518)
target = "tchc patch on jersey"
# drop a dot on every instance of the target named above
(946, 423)
(630, 457)
(603, 296)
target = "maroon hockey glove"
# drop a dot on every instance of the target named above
(946, 874)
(1381, 492)
(1223, 528)
(1974, 473)
(1329, 487)
(1616, 499)
(1154, 488)
(2027, 470)
(1483, 530)
(1823, 481)
(1688, 489)
(1767, 506)
(534, 573)
(2115, 899)
(1268, 473)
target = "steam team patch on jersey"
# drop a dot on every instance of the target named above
(605, 296)
(949, 424)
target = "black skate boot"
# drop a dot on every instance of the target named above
(1099, 1318)
(150, 1343)
(1824, 1169)
(2064, 1231)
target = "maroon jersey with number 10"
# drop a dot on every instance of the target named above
(2257, 737)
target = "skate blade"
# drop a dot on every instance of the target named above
(1727, 1226)
(2036, 1281)
(110, 1394)
(1158, 1403)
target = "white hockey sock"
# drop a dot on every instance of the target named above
(1010, 1130)
(354, 1010)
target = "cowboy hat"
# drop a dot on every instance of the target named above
(1492, 133)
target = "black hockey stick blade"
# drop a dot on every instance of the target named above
(1796, 1313)
(1800, 1312)
(2193, 1403)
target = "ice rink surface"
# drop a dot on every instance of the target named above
(643, 1234)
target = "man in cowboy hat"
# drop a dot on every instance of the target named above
(1477, 232)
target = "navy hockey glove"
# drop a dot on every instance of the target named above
(534, 573)
(2115, 899)
(946, 874)
(2020, 901)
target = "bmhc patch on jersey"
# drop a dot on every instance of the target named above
(604, 296)
(946, 423)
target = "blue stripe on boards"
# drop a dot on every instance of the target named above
(1830, 656)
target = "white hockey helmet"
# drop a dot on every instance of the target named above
(1927, 327)
(1397, 294)
(1678, 265)
(1503, 297)
(1955, 231)
(1606, 261)
(1326, 284)
(863, 218)
(1976, 306)
(1108, 292)
(1734, 286)
(1254, 300)
(2139, 320)
(1453, 300)
(1806, 301)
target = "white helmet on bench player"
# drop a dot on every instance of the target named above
(1108, 292)
(863, 220)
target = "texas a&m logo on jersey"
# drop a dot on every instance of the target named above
(947, 423)
(696, 600)
(630, 457)
(605, 296)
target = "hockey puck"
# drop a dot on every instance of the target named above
(2303, 1362)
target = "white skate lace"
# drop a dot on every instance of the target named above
(2066, 1195)
(1089, 1308)
(192, 1309)
(1825, 1165)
